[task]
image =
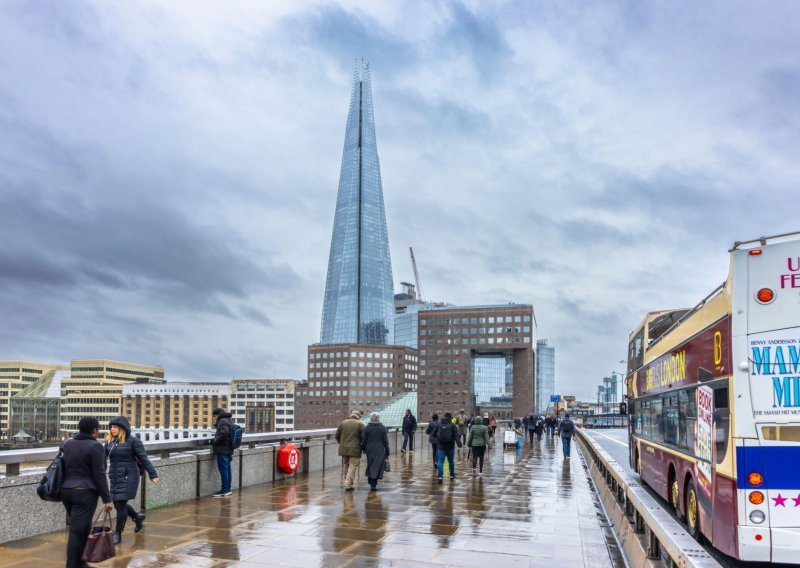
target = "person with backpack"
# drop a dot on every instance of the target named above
(127, 463)
(550, 423)
(84, 481)
(431, 431)
(409, 429)
(463, 426)
(223, 445)
(539, 428)
(447, 436)
(531, 427)
(566, 429)
(478, 441)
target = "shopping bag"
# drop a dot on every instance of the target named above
(100, 545)
(386, 465)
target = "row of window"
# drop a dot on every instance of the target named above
(462, 321)
(361, 364)
(474, 330)
(474, 341)
(385, 384)
(317, 393)
(360, 355)
(369, 374)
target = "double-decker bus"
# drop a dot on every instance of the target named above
(714, 404)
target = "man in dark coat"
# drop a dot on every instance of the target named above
(375, 443)
(566, 428)
(127, 461)
(84, 481)
(409, 428)
(433, 427)
(223, 449)
(447, 436)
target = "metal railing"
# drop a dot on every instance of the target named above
(13, 459)
(662, 534)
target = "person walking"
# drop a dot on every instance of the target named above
(461, 422)
(84, 481)
(375, 443)
(447, 436)
(348, 435)
(431, 431)
(409, 429)
(517, 423)
(531, 427)
(492, 425)
(478, 441)
(539, 428)
(550, 423)
(223, 449)
(127, 463)
(566, 428)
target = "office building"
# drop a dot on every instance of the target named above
(36, 409)
(479, 358)
(173, 411)
(347, 377)
(358, 305)
(15, 375)
(263, 405)
(94, 388)
(545, 375)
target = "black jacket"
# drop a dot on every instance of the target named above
(123, 471)
(409, 424)
(85, 465)
(222, 437)
(456, 438)
(433, 427)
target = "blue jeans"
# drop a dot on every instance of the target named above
(565, 441)
(224, 466)
(450, 455)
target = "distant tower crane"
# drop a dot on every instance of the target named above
(416, 275)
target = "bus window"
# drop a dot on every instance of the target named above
(670, 420)
(636, 352)
(687, 418)
(722, 417)
(657, 420)
(645, 429)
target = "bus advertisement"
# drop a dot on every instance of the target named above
(714, 404)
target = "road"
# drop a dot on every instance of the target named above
(615, 442)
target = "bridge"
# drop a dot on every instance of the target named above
(530, 508)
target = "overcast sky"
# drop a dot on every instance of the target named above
(168, 170)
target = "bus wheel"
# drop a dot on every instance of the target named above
(692, 511)
(675, 498)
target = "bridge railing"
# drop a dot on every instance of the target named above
(647, 532)
(186, 468)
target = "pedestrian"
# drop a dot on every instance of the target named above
(447, 436)
(409, 428)
(478, 441)
(517, 423)
(492, 425)
(431, 431)
(223, 449)
(539, 429)
(531, 427)
(84, 480)
(566, 428)
(375, 443)
(550, 423)
(461, 422)
(348, 435)
(127, 463)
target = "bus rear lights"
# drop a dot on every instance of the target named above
(755, 479)
(755, 252)
(756, 498)
(759, 537)
(757, 517)
(765, 295)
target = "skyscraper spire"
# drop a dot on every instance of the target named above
(359, 300)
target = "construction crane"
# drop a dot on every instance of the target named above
(416, 274)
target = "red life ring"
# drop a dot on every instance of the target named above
(288, 458)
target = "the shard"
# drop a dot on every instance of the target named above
(359, 305)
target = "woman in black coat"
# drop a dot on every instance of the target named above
(375, 443)
(126, 456)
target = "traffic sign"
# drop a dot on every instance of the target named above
(555, 398)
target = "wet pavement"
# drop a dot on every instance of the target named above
(531, 508)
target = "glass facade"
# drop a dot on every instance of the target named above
(493, 382)
(359, 300)
(545, 374)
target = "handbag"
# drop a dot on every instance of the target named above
(50, 485)
(386, 465)
(100, 545)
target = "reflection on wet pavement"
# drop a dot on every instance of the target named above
(530, 508)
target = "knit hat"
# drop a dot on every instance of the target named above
(374, 418)
(356, 415)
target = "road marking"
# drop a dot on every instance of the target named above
(612, 439)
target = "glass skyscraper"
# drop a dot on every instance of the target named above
(359, 300)
(545, 374)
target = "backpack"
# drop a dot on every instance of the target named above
(567, 427)
(236, 436)
(444, 434)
